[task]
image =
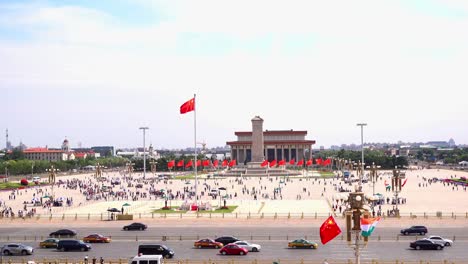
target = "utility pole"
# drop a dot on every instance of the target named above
(144, 151)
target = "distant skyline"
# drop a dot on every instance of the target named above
(96, 71)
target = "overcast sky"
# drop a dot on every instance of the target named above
(95, 71)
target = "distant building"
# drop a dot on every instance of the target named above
(104, 151)
(45, 154)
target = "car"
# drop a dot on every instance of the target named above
(233, 249)
(250, 247)
(17, 248)
(207, 243)
(302, 243)
(226, 239)
(49, 243)
(440, 240)
(425, 244)
(135, 226)
(36, 179)
(96, 238)
(63, 233)
(421, 230)
(66, 245)
(152, 249)
(145, 259)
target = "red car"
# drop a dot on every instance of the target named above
(204, 243)
(233, 249)
(96, 238)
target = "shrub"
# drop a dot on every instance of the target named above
(166, 208)
(24, 182)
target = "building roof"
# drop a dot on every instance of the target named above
(273, 132)
(80, 155)
(270, 142)
(42, 150)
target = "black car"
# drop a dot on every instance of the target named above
(425, 244)
(135, 226)
(152, 249)
(421, 230)
(66, 245)
(63, 233)
(113, 210)
(226, 239)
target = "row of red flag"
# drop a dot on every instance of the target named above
(318, 161)
(204, 163)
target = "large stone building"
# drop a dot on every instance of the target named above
(255, 146)
(45, 154)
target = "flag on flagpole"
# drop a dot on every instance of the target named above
(188, 106)
(329, 230)
(171, 164)
(300, 163)
(189, 164)
(198, 163)
(215, 163)
(292, 162)
(206, 163)
(309, 162)
(403, 185)
(225, 163)
(232, 163)
(180, 163)
(318, 161)
(282, 162)
(264, 163)
(368, 225)
(272, 163)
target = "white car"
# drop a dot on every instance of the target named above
(440, 240)
(250, 247)
(36, 179)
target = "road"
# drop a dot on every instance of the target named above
(272, 239)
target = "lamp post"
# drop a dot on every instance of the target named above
(362, 151)
(396, 188)
(153, 167)
(32, 170)
(374, 175)
(144, 151)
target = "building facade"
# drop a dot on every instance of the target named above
(45, 154)
(277, 145)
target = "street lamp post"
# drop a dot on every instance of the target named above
(32, 170)
(362, 151)
(144, 150)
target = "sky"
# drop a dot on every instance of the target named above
(95, 71)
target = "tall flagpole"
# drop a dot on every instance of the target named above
(195, 144)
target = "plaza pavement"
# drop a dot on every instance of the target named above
(435, 197)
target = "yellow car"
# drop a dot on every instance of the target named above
(96, 238)
(302, 243)
(49, 243)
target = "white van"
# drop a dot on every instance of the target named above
(146, 259)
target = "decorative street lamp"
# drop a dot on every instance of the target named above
(144, 150)
(396, 188)
(362, 150)
(374, 175)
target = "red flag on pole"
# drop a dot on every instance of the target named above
(264, 163)
(326, 162)
(329, 230)
(225, 163)
(171, 164)
(300, 163)
(180, 163)
(189, 164)
(403, 185)
(292, 162)
(215, 163)
(206, 163)
(318, 161)
(309, 162)
(198, 163)
(282, 162)
(232, 163)
(272, 163)
(188, 106)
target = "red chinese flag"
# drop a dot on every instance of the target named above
(225, 163)
(189, 164)
(180, 163)
(272, 163)
(171, 164)
(198, 163)
(206, 163)
(300, 163)
(318, 161)
(403, 185)
(264, 163)
(232, 163)
(187, 106)
(309, 162)
(282, 162)
(292, 162)
(326, 162)
(215, 163)
(329, 230)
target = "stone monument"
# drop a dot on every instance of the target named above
(257, 140)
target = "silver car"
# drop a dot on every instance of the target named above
(440, 240)
(250, 247)
(16, 248)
